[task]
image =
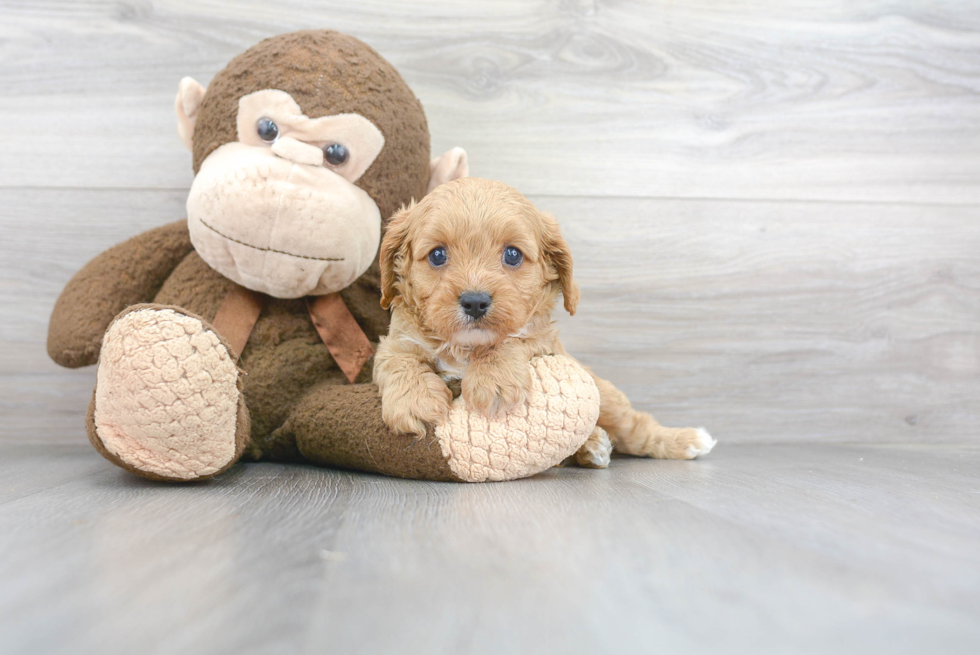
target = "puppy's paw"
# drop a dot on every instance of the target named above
(596, 452)
(701, 444)
(410, 413)
(650, 439)
(685, 443)
(492, 393)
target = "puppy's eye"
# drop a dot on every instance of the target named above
(513, 256)
(336, 154)
(268, 131)
(438, 256)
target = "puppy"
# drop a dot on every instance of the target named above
(472, 274)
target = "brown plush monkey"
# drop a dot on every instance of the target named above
(246, 330)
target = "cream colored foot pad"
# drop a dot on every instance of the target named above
(166, 400)
(560, 414)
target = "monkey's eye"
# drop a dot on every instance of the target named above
(513, 256)
(268, 131)
(336, 154)
(438, 256)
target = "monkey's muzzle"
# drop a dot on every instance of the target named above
(285, 229)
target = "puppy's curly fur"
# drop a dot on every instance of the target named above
(433, 339)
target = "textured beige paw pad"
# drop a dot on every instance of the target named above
(166, 400)
(558, 417)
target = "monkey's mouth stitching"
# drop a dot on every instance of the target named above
(278, 252)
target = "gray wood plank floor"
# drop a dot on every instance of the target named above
(774, 208)
(821, 548)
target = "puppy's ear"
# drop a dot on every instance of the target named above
(393, 248)
(559, 257)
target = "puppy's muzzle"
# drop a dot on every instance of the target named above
(475, 304)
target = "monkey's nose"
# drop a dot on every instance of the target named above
(295, 150)
(475, 304)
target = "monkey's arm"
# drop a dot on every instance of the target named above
(126, 274)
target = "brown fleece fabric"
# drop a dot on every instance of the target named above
(342, 426)
(284, 357)
(300, 403)
(128, 273)
(328, 73)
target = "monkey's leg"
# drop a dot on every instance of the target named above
(167, 402)
(638, 433)
(341, 425)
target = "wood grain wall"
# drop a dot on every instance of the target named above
(774, 205)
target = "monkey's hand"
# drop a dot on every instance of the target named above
(127, 274)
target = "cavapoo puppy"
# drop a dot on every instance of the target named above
(472, 274)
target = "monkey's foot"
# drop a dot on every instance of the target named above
(558, 417)
(168, 402)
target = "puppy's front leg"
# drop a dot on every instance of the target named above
(412, 395)
(497, 379)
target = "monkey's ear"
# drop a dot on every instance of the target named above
(393, 251)
(190, 94)
(559, 256)
(452, 165)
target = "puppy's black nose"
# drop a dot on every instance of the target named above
(475, 304)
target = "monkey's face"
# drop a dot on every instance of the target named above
(279, 210)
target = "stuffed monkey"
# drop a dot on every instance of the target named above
(247, 329)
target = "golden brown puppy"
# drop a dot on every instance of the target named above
(472, 274)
